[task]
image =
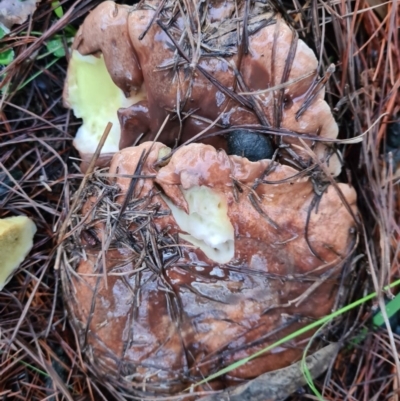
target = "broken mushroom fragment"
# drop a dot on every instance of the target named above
(16, 241)
(210, 85)
(95, 98)
(207, 260)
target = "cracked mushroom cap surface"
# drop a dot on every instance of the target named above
(212, 259)
(140, 57)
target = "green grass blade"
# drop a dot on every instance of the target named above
(306, 371)
(392, 307)
(56, 47)
(57, 8)
(26, 364)
(297, 333)
(37, 74)
(6, 57)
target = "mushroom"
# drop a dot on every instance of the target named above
(183, 269)
(16, 241)
(163, 71)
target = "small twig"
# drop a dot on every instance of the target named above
(153, 18)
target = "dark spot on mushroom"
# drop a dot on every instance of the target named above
(251, 145)
(287, 102)
(90, 238)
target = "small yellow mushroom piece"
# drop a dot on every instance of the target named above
(16, 240)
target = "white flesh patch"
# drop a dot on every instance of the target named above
(95, 98)
(207, 225)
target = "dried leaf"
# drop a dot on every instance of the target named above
(279, 384)
(16, 11)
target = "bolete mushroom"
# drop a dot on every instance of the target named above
(190, 65)
(174, 272)
(16, 241)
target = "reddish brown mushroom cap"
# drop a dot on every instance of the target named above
(208, 85)
(167, 315)
(105, 31)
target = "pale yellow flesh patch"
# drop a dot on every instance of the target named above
(16, 240)
(95, 98)
(207, 225)
(163, 152)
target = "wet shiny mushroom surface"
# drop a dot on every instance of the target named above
(182, 267)
(194, 68)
